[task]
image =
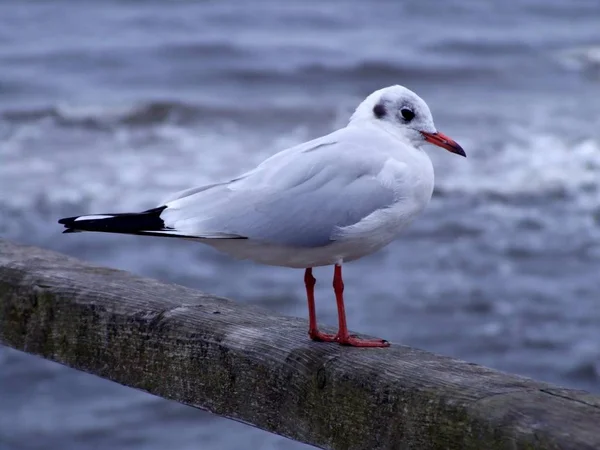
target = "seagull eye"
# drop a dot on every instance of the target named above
(407, 114)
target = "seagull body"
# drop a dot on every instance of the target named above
(337, 198)
(324, 202)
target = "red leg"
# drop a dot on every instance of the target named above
(313, 331)
(343, 337)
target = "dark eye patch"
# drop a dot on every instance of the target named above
(379, 110)
(407, 114)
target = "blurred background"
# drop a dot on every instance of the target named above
(109, 106)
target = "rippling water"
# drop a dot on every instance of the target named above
(113, 105)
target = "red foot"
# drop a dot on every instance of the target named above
(353, 341)
(316, 335)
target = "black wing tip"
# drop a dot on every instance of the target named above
(156, 210)
(127, 223)
(67, 220)
(146, 223)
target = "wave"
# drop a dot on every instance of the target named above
(529, 166)
(148, 114)
(489, 48)
(102, 117)
(372, 73)
(585, 59)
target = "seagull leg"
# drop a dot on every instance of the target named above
(313, 331)
(343, 337)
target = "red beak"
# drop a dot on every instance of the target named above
(441, 140)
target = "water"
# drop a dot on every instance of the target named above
(109, 106)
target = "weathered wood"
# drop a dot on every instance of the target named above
(259, 368)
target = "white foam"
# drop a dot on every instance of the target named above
(130, 169)
(584, 58)
(529, 163)
(120, 170)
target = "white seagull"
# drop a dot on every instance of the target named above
(328, 201)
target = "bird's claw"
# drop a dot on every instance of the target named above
(316, 335)
(354, 341)
(350, 340)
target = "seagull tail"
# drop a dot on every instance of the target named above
(145, 223)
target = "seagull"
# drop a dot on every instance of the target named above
(325, 202)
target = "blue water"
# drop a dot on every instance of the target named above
(108, 106)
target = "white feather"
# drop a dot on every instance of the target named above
(93, 217)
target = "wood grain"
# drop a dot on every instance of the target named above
(251, 365)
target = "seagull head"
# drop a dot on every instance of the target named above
(401, 110)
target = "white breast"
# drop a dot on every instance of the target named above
(412, 179)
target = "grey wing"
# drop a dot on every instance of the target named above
(189, 192)
(310, 214)
(298, 198)
(305, 214)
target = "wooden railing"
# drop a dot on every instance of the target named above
(259, 368)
